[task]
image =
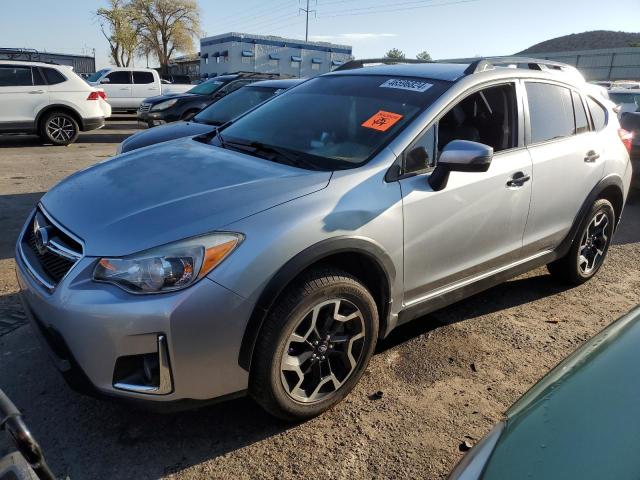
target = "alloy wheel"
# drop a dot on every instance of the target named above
(60, 129)
(323, 350)
(593, 244)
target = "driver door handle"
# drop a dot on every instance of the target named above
(518, 179)
(36, 91)
(591, 157)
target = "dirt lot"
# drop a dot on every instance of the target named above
(433, 399)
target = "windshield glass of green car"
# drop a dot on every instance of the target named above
(206, 88)
(336, 121)
(234, 104)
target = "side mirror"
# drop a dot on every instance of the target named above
(105, 80)
(460, 156)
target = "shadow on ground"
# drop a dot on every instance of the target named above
(13, 213)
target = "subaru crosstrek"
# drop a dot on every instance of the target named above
(269, 256)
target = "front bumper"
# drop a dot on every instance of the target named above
(86, 327)
(153, 119)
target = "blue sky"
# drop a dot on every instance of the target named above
(445, 28)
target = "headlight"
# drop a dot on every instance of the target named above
(164, 105)
(170, 267)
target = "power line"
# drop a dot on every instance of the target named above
(369, 10)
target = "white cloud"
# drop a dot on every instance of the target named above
(351, 37)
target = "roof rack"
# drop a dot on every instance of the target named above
(353, 64)
(490, 63)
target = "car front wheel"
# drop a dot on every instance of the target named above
(59, 128)
(314, 346)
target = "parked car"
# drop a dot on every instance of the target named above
(216, 114)
(127, 87)
(49, 100)
(270, 256)
(171, 108)
(630, 121)
(580, 421)
(626, 98)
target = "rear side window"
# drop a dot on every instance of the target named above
(550, 112)
(15, 76)
(121, 78)
(53, 76)
(582, 124)
(598, 114)
(142, 77)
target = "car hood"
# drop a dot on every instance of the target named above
(168, 96)
(164, 133)
(169, 192)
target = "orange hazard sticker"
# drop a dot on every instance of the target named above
(382, 121)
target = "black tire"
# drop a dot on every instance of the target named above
(59, 128)
(319, 290)
(572, 268)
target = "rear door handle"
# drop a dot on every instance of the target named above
(518, 179)
(591, 157)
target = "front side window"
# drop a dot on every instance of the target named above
(15, 76)
(234, 104)
(335, 122)
(143, 77)
(488, 116)
(119, 78)
(94, 77)
(550, 112)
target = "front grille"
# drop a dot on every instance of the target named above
(55, 266)
(144, 107)
(53, 260)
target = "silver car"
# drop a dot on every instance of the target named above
(268, 257)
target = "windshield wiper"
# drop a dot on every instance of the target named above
(276, 154)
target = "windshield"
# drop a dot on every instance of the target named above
(206, 88)
(623, 97)
(234, 104)
(336, 121)
(94, 77)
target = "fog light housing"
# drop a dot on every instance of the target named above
(148, 373)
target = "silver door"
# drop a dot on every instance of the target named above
(472, 226)
(567, 161)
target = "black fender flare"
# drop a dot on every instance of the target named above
(295, 266)
(610, 181)
(59, 106)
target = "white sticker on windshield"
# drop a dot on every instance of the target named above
(406, 84)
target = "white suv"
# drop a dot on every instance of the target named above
(50, 100)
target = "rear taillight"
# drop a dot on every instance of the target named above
(626, 137)
(96, 95)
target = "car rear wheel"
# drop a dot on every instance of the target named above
(314, 346)
(59, 128)
(590, 246)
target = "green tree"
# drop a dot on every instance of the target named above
(394, 53)
(424, 55)
(167, 27)
(117, 26)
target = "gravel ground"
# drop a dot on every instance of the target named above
(445, 378)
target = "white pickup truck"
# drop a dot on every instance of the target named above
(126, 87)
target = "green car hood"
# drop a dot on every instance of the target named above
(582, 420)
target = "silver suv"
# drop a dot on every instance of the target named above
(270, 256)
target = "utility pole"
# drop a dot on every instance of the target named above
(307, 12)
